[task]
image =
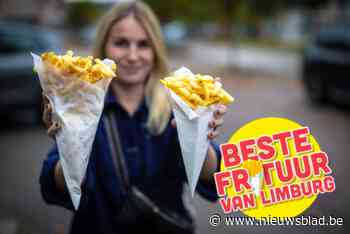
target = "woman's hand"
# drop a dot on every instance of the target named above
(216, 122)
(52, 126)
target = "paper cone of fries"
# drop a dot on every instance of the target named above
(77, 98)
(192, 121)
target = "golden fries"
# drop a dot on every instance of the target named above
(254, 167)
(85, 68)
(197, 90)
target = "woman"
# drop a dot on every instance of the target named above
(130, 34)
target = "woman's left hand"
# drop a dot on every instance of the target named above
(216, 122)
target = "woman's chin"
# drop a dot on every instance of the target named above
(132, 80)
(132, 77)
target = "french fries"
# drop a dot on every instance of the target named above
(254, 167)
(85, 68)
(197, 90)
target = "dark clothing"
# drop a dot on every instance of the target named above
(151, 167)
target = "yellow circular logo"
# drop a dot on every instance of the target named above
(272, 167)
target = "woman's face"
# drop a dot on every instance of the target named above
(128, 44)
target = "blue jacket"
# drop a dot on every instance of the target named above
(152, 168)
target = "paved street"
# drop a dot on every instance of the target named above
(263, 60)
(23, 147)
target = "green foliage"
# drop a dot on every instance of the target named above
(187, 11)
(82, 13)
(221, 11)
(197, 11)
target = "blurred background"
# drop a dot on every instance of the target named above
(286, 59)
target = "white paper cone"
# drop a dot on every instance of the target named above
(194, 143)
(192, 128)
(78, 110)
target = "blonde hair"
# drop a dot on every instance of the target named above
(156, 98)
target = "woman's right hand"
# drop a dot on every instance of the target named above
(52, 126)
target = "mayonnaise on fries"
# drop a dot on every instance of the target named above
(85, 68)
(197, 90)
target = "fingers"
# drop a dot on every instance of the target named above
(47, 111)
(213, 134)
(173, 123)
(45, 99)
(215, 123)
(220, 111)
(47, 115)
(53, 129)
(218, 117)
